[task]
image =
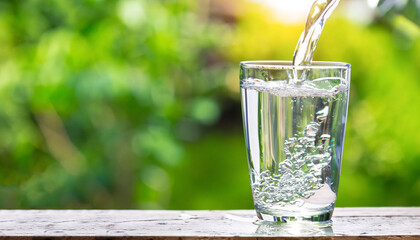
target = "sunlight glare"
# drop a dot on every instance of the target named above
(288, 11)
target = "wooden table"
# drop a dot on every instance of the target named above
(348, 223)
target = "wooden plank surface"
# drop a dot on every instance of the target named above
(348, 223)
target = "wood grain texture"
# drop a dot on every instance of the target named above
(348, 223)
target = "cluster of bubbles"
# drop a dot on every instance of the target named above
(315, 88)
(300, 174)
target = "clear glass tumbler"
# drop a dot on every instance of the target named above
(294, 122)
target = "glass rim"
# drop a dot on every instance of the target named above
(277, 64)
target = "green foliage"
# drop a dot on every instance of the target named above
(135, 104)
(93, 95)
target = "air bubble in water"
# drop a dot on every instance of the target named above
(297, 176)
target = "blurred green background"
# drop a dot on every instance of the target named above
(135, 103)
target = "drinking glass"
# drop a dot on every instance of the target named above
(294, 123)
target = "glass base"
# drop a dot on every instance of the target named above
(303, 228)
(322, 218)
(313, 225)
